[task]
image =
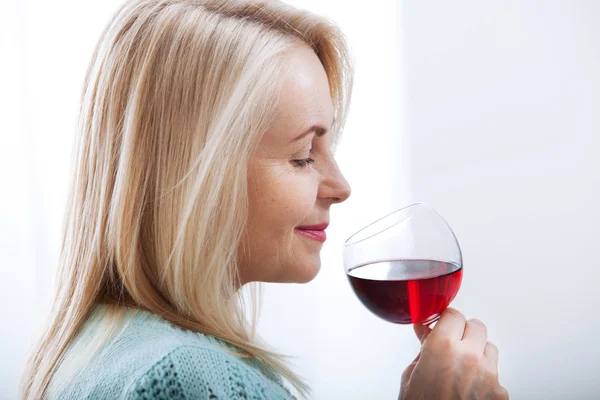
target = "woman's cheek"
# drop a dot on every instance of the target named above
(303, 194)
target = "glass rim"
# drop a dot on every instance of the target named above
(349, 241)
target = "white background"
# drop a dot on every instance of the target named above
(488, 111)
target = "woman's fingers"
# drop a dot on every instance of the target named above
(491, 354)
(451, 324)
(475, 335)
(455, 354)
(501, 393)
(408, 372)
(422, 332)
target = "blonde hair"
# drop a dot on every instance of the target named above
(175, 101)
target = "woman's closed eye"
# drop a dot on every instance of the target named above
(303, 158)
(303, 162)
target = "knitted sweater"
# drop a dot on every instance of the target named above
(152, 359)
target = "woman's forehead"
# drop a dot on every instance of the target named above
(305, 99)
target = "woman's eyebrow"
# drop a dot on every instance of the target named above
(319, 130)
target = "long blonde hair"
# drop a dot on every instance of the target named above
(175, 101)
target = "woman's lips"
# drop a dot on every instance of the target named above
(314, 232)
(319, 236)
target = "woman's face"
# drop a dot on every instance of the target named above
(293, 180)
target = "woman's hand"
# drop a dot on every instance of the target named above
(456, 362)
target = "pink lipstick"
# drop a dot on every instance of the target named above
(314, 232)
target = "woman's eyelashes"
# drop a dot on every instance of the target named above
(303, 162)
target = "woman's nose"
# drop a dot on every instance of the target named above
(344, 191)
(335, 187)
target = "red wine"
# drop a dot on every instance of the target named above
(406, 291)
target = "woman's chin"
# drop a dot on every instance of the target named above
(307, 273)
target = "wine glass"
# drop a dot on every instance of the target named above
(405, 267)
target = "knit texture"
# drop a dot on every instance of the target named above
(152, 359)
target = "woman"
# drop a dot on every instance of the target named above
(204, 163)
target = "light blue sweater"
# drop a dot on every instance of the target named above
(152, 359)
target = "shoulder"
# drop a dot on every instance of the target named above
(152, 359)
(162, 361)
(203, 373)
(98, 367)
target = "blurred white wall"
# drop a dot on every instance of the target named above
(485, 110)
(504, 130)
